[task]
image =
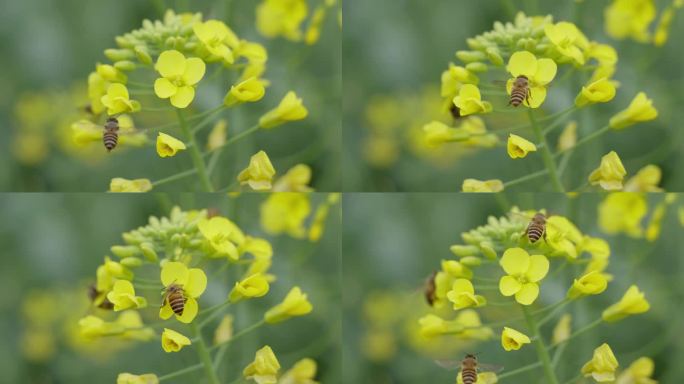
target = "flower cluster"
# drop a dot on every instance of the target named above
(172, 254)
(503, 259)
(633, 18)
(180, 49)
(276, 18)
(532, 51)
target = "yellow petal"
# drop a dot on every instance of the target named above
(165, 312)
(183, 97)
(522, 63)
(537, 97)
(163, 88)
(197, 282)
(515, 261)
(546, 71)
(170, 64)
(539, 267)
(527, 294)
(174, 272)
(508, 286)
(194, 70)
(189, 311)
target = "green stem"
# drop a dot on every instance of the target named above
(236, 138)
(181, 372)
(579, 332)
(223, 347)
(542, 353)
(204, 355)
(526, 178)
(175, 177)
(585, 140)
(519, 370)
(574, 379)
(195, 153)
(547, 157)
(217, 310)
(558, 306)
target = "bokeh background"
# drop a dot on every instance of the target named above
(50, 47)
(395, 51)
(392, 242)
(53, 243)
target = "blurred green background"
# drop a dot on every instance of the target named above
(395, 51)
(50, 47)
(53, 243)
(392, 242)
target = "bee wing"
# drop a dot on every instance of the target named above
(450, 365)
(489, 368)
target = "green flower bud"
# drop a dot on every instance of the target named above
(494, 56)
(123, 42)
(118, 54)
(124, 251)
(125, 65)
(148, 25)
(488, 251)
(143, 55)
(464, 250)
(470, 56)
(148, 252)
(471, 261)
(131, 262)
(477, 67)
(475, 44)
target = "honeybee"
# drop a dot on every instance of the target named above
(520, 91)
(93, 294)
(536, 229)
(175, 296)
(469, 367)
(110, 137)
(430, 288)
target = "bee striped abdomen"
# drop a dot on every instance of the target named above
(469, 376)
(177, 302)
(110, 140)
(520, 91)
(517, 96)
(534, 232)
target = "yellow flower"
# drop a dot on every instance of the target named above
(482, 378)
(568, 138)
(109, 272)
(313, 32)
(567, 40)
(639, 372)
(602, 366)
(253, 286)
(261, 249)
(217, 136)
(523, 274)
(249, 90)
(437, 133)
(463, 295)
(168, 146)
(512, 340)
(85, 132)
(192, 281)
(562, 330)
(281, 18)
(123, 296)
(433, 326)
(592, 283)
(320, 215)
(264, 369)
(623, 212)
(173, 341)
(128, 326)
(294, 304)
(646, 180)
(296, 179)
(599, 91)
(518, 147)
(111, 74)
(663, 29)
(456, 269)
(123, 185)
(97, 87)
(629, 18)
(118, 101)
(454, 77)
(472, 185)
(469, 321)
(632, 303)
(259, 173)
(610, 173)
(539, 72)
(563, 236)
(217, 39)
(223, 235)
(285, 212)
(469, 101)
(127, 378)
(655, 223)
(640, 109)
(179, 75)
(303, 372)
(224, 331)
(289, 109)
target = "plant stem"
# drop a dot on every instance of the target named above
(519, 370)
(580, 331)
(223, 347)
(204, 355)
(216, 311)
(526, 177)
(586, 139)
(175, 177)
(236, 138)
(181, 372)
(195, 153)
(542, 353)
(547, 157)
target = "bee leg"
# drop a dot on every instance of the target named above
(528, 95)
